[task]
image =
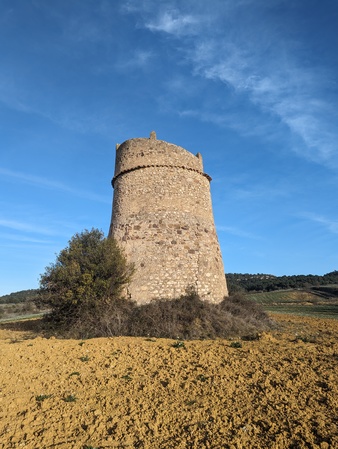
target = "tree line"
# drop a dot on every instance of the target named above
(267, 282)
(19, 297)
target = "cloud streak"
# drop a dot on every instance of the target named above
(175, 23)
(22, 238)
(327, 223)
(286, 92)
(25, 227)
(53, 185)
(237, 232)
(255, 60)
(140, 59)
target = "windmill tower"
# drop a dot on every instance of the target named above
(162, 218)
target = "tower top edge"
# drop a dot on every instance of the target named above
(150, 152)
(151, 138)
(156, 143)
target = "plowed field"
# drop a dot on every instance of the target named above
(280, 391)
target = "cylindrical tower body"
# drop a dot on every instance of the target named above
(162, 217)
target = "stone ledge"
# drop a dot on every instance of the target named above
(139, 167)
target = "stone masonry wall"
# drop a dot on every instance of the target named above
(162, 218)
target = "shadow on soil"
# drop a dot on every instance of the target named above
(31, 328)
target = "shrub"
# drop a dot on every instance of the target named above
(189, 317)
(42, 397)
(70, 398)
(108, 321)
(88, 275)
(235, 344)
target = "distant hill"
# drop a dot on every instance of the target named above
(267, 282)
(19, 297)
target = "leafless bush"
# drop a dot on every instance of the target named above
(106, 321)
(187, 317)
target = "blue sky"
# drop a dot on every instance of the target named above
(251, 84)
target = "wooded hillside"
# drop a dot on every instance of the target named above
(267, 282)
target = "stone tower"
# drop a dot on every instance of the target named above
(162, 217)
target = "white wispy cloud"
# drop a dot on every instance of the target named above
(327, 223)
(53, 185)
(30, 229)
(84, 30)
(139, 59)
(175, 23)
(73, 118)
(265, 192)
(21, 238)
(24, 226)
(253, 58)
(289, 93)
(237, 232)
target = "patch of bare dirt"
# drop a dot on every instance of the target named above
(280, 391)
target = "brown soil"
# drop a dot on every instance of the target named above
(280, 391)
